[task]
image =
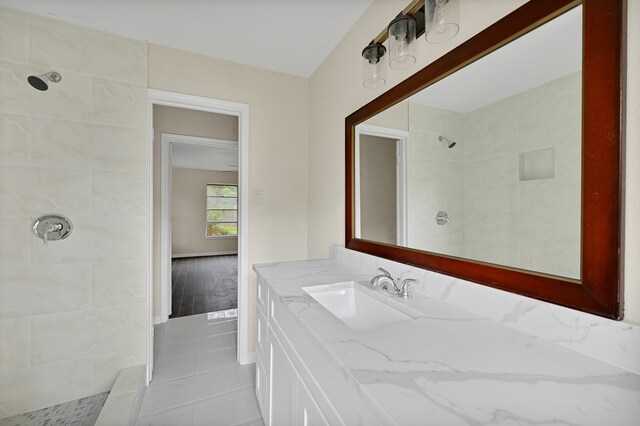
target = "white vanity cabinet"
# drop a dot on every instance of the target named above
(283, 395)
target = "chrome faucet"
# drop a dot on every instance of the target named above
(387, 283)
(404, 291)
(375, 281)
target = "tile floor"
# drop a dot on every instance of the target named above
(203, 284)
(196, 379)
(81, 412)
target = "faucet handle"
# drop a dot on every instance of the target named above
(384, 272)
(404, 290)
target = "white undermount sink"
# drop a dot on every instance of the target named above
(354, 307)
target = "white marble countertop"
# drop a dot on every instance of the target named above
(451, 367)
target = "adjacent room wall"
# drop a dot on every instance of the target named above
(278, 134)
(180, 121)
(189, 213)
(74, 312)
(378, 197)
(336, 90)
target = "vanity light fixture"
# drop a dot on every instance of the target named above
(402, 33)
(441, 20)
(373, 66)
(438, 19)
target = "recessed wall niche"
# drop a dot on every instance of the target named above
(536, 165)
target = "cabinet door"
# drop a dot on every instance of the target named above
(261, 388)
(309, 413)
(283, 386)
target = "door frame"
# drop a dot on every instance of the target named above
(402, 201)
(240, 110)
(167, 140)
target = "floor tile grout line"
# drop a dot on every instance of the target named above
(195, 401)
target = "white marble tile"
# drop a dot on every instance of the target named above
(14, 35)
(614, 342)
(117, 410)
(459, 354)
(70, 99)
(14, 343)
(129, 380)
(193, 388)
(173, 369)
(120, 104)
(63, 46)
(118, 283)
(102, 238)
(32, 191)
(118, 193)
(64, 336)
(83, 146)
(185, 348)
(14, 242)
(223, 358)
(567, 228)
(107, 366)
(182, 416)
(247, 375)
(566, 93)
(42, 386)
(230, 409)
(44, 290)
(15, 137)
(197, 331)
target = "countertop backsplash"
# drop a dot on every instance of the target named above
(614, 342)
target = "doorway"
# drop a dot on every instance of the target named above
(161, 306)
(198, 210)
(381, 184)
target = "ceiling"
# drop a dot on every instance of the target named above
(548, 53)
(200, 157)
(290, 36)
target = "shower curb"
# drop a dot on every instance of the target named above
(123, 404)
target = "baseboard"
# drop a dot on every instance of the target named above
(250, 359)
(211, 253)
(159, 320)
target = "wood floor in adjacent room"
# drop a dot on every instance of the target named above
(203, 284)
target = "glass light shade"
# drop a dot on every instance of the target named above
(372, 66)
(402, 33)
(441, 20)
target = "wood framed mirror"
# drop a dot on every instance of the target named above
(563, 246)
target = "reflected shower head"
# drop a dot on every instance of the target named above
(449, 142)
(39, 82)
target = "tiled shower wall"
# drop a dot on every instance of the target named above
(530, 224)
(72, 313)
(436, 180)
(495, 215)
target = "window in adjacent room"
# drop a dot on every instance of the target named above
(222, 210)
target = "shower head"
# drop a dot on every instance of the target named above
(39, 82)
(449, 142)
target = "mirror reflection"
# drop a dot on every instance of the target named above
(485, 164)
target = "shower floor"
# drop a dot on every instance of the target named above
(81, 412)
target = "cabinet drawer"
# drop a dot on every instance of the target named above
(263, 297)
(262, 345)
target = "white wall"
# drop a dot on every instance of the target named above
(189, 212)
(336, 91)
(278, 133)
(74, 312)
